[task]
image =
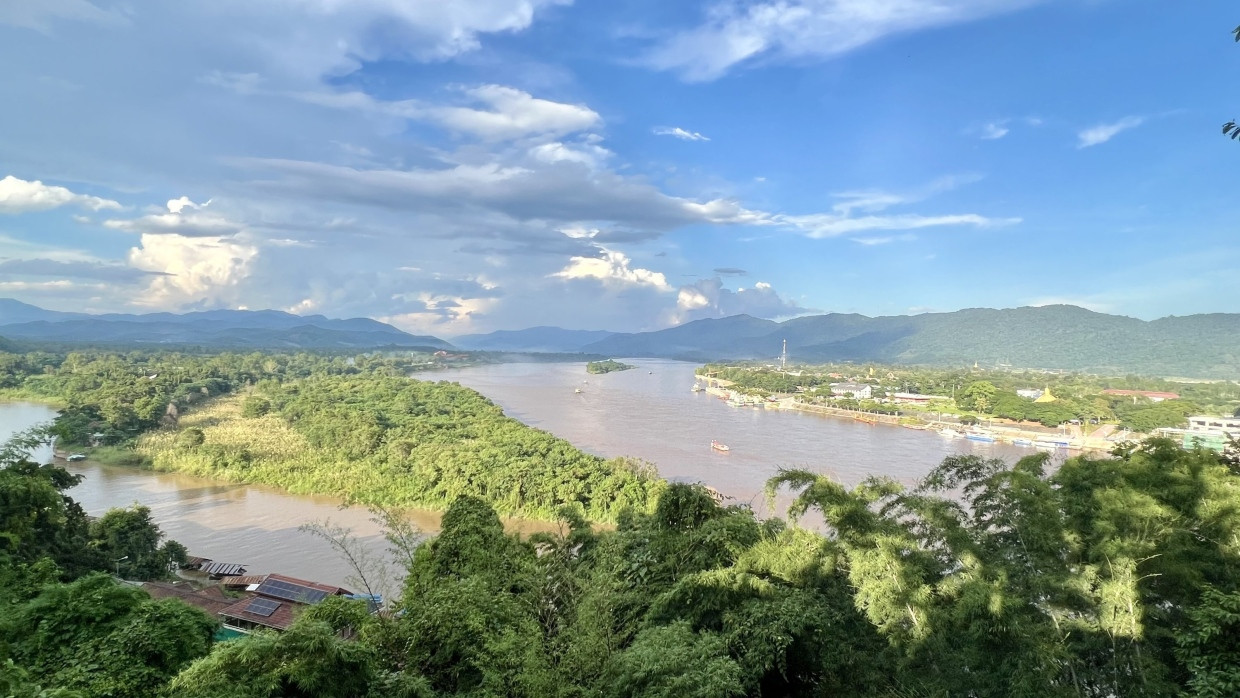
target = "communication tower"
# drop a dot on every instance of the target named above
(783, 358)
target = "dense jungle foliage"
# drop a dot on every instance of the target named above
(606, 366)
(993, 392)
(1110, 576)
(395, 442)
(353, 427)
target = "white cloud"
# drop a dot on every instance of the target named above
(40, 14)
(512, 113)
(21, 196)
(178, 205)
(303, 40)
(193, 269)
(1102, 133)
(708, 298)
(884, 239)
(824, 225)
(612, 267)
(795, 29)
(995, 130)
(678, 132)
(489, 112)
(592, 156)
(184, 217)
(842, 221)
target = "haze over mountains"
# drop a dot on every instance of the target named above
(1052, 337)
(266, 329)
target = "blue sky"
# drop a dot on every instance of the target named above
(495, 164)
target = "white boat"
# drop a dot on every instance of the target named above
(697, 388)
(719, 447)
(1022, 442)
(578, 391)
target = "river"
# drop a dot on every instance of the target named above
(247, 524)
(649, 412)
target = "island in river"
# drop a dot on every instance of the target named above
(608, 366)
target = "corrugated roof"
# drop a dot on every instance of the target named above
(226, 569)
(279, 619)
(242, 581)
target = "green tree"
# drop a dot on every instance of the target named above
(131, 539)
(978, 395)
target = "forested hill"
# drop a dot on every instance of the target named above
(1058, 336)
(213, 328)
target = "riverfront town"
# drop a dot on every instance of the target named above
(1065, 411)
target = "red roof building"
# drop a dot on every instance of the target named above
(276, 602)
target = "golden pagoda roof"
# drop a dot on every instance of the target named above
(1046, 396)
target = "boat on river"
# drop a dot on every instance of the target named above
(980, 437)
(1052, 444)
(1022, 442)
(720, 447)
(578, 391)
(697, 388)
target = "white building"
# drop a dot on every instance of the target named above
(858, 391)
(1214, 426)
(1029, 393)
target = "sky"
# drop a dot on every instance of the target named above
(474, 165)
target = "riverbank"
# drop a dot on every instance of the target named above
(1002, 431)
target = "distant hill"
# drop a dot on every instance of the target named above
(534, 339)
(1056, 337)
(263, 329)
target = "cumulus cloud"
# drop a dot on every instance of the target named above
(708, 298)
(1102, 133)
(734, 33)
(203, 270)
(678, 132)
(22, 196)
(612, 268)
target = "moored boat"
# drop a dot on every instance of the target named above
(1022, 442)
(980, 437)
(719, 447)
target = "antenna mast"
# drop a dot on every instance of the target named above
(783, 358)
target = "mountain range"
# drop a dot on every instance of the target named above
(1051, 337)
(258, 329)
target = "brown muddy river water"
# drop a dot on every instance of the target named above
(649, 412)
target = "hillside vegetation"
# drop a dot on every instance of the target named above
(1058, 337)
(1113, 576)
(353, 427)
(396, 442)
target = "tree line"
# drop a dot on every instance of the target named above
(1107, 576)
